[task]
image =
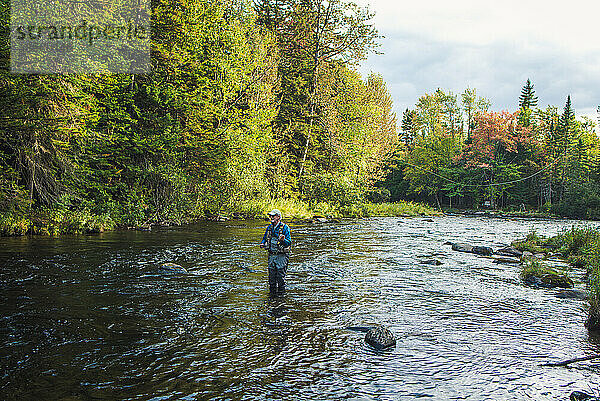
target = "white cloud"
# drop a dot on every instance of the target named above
(491, 46)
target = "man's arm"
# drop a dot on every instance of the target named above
(287, 238)
(264, 240)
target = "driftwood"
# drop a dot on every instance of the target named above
(569, 361)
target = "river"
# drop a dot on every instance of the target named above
(90, 317)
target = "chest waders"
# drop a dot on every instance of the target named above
(279, 257)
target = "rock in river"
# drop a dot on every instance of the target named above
(461, 247)
(479, 250)
(579, 396)
(509, 251)
(433, 262)
(380, 337)
(171, 268)
(483, 250)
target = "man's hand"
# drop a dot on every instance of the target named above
(281, 237)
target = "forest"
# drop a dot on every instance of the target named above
(456, 152)
(250, 104)
(245, 103)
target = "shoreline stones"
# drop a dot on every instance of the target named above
(548, 280)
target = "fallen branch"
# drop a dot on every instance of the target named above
(569, 361)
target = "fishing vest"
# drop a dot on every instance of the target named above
(280, 247)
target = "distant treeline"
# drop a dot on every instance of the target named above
(245, 101)
(456, 152)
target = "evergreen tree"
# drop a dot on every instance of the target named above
(528, 100)
(409, 127)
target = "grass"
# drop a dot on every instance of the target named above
(533, 243)
(54, 222)
(296, 209)
(534, 269)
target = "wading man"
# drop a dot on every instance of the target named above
(277, 241)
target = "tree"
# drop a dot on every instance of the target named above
(311, 33)
(528, 100)
(472, 105)
(409, 127)
(493, 151)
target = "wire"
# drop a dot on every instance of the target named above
(486, 185)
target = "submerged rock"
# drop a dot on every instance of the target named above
(573, 294)
(507, 261)
(433, 262)
(380, 337)
(171, 268)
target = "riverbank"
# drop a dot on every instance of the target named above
(580, 248)
(534, 214)
(58, 221)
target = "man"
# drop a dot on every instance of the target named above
(277, 241)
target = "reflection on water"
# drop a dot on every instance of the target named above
(90, 317)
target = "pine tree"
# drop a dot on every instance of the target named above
(528, 100)
(408, 127)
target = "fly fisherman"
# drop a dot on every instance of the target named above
(277, 241)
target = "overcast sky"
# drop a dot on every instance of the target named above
(491, 46)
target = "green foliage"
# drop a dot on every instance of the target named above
(534, 269)
(532, 243)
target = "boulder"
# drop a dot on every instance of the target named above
(580, 396)
(548, 280)
(479, 250)
(462, 247)
(433, 262)
(573, 294)
(509, 251)
(483, 250)
(380, 337)
(171, 268)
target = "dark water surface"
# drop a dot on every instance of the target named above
(90, 317)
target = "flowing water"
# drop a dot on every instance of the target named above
(91, 317)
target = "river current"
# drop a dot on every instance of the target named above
(91, 317)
